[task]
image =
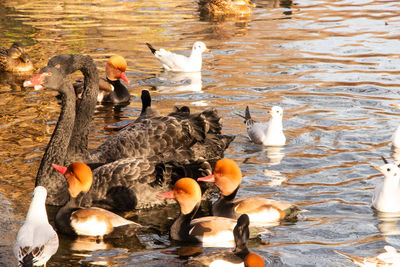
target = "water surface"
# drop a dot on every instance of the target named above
(333, 66)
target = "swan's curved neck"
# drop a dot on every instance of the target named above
(78, 146)
(56, 150)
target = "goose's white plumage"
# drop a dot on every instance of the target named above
(36, 235)
(386, 197)
(180, 63)
(270, 134)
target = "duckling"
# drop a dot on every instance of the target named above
(225, 7)
(15, 59)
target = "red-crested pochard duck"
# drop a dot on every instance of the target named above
(111, 90)
(73, 220)
(240, 256)
(210, 231)
(15, 59)
(36, 240)
(262, 211)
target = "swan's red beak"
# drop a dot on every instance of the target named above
(36, 82)
(169, 194)
(59, 168)
(123, 77)
(210, 179)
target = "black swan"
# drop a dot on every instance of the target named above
(116, 184)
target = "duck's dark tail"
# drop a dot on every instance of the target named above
(241, 233)
(146, 101)
(151, 48)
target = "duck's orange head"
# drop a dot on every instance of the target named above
(186, 192)
(79, 177)
(116, 67)
(253, 260)
(227, 176)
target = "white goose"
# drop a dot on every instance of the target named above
(36, 240)
(270, 134)
(386, 197)
(180, 63)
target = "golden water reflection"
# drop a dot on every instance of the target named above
(332, 66)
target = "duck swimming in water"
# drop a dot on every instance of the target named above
(15, 59)
(262, 211)
(71, 219)
(225, 7)
(211, 231)
(240, 256)
(111, 90)
(182, 136)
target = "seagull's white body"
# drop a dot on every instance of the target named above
(389, 258)
(396, 138)
(36, 236)
(180, 63)
(386, 197)
(270, 134)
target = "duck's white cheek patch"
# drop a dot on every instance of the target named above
(223, 239)
(222, 263)
(91, 227)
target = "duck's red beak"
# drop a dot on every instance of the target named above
(123, 77)
(59, 168)
(169, 194)
(210, 178)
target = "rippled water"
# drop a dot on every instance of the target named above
(332, 65)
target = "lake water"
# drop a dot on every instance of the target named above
(333, 66)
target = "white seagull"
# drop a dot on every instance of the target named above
(386, 197)
(36, 240)
(396, 135)
(270, 134)
(388, 258)
(180, 63)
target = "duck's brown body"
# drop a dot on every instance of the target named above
(225, 7)
(15, 59)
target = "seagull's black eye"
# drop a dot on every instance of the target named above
(388, 169)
